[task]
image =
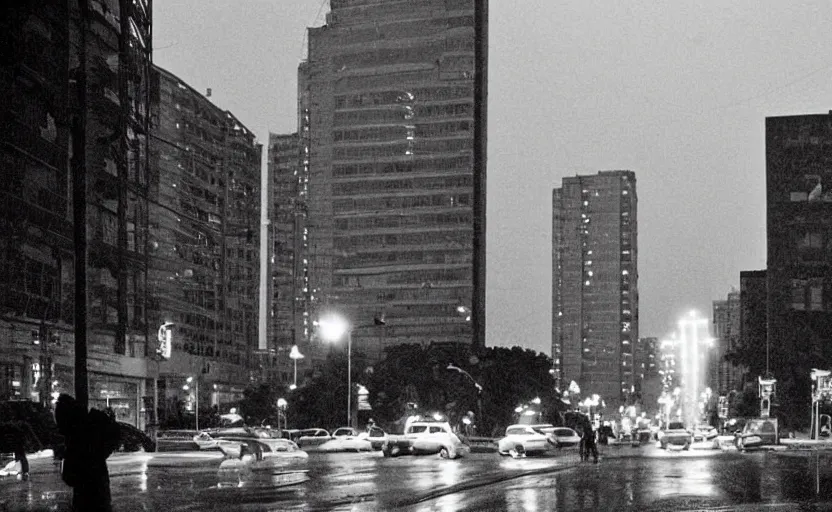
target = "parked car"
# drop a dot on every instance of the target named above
(375, 436)
(522, 440)
(704, 433)
(757, 432)
(181, 441)
(426, 437)
(675, 434)
(312, 437)
(259, 442)
(344, 432)
(346, 444)
(564, 436)
(132, 439)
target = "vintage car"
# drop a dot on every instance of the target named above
(344, 432)
(522, 440)
(375, 436)
(675, 434)
(703, 433)
(564, 436)
(756, 433)
(180, 441)
(312, 437)
(426, 437)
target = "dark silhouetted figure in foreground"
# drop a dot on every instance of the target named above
(13, 439)
(90, 438)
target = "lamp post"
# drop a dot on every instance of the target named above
(186, 387)
(476, 385)
(332, 328)
(281, 410)
(295, 355)
(163, 351)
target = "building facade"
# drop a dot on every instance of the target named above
(392, 115)
(103, 53)
(723, 376)
(753, 324)
(203, 246)
(595, 288)
(288, 275)
(799, 268)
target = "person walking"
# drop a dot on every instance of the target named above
(590, 446)
(90, 438)
(13, 439)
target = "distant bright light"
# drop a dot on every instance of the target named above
(332, 327)
(536, 400)
(437, 416)
(281, 403)
(293, 387)
(530, 412)
(518, 409)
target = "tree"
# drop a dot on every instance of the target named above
(259, 404)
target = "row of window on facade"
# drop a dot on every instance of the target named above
(808, 295)
(397, 115)
(400, 96)
(441, 163)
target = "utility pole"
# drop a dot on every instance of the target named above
(79, 210)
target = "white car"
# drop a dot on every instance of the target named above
(375, 436)
(563, 436)
(522, 439)
(344, 432)
(426, 437)
(346, 444)
(312, 437)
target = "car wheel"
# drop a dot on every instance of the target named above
(444, 454)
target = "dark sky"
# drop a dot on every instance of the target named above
(676, 91)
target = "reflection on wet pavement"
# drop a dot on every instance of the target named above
(358, 482)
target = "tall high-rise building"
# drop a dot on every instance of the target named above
(203, 247)
(392, 107)
(753, 296)
(799, 273)
(287, 260)
(76, 104)
(723, 376)
(595, 289)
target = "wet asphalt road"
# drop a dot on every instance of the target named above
(626, 479)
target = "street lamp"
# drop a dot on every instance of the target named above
(476, 385)
(331, 328)
(281, 409)
(295, 355)
(186, 387)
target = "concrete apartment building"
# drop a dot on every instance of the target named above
(799, 265)
(203, 247)
(393, 95)
(44, 116)
(595, 289)
(288, 266)
(724, 377)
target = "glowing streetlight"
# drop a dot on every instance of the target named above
(332, 328)
(186, 387)
(281, 409)
(295, 355)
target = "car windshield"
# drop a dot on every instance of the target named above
(676, 425)
(517, 431)
(564, 432)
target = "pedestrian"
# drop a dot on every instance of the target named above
(13, 439)
(590, 446)
(90, 438)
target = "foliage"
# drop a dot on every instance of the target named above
(259, 404)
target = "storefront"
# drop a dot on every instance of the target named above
(121, 394)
